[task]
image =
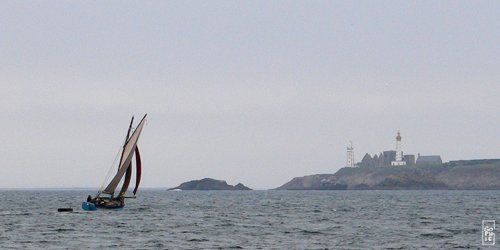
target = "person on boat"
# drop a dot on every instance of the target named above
(89, 198)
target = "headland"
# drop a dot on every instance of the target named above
(454, 175)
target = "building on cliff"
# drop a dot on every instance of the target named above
(397, 158)
(410, 160)
(429, 160)
(368, 161)
(382, 160)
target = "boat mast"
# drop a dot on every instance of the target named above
(125, 143)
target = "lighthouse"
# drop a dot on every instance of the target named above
(350, 155)
(399, 153)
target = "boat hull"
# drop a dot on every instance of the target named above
(109, 203)
(103, 203)
(113, 204)
(88, 206)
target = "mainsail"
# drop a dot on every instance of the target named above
(129, 149)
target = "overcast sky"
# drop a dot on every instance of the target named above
(256, 92)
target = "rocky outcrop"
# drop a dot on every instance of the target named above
(465, 175)
(411, 181)
(240, 186)
(209, 184)
(314, 182)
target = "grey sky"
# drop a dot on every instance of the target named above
(247, 91)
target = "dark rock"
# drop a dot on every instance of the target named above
(209, 184)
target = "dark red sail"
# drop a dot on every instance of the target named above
(126, 182)
(138, 166)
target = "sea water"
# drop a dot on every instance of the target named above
(159, 219)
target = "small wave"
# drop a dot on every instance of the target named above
(436, 235)
(197, 240)
(155, 244)
(16, 214)
(323, 219)
(345, 209)
(226, 225)
(143, 208)
(311, 232)
(464, 246)
(463, 231)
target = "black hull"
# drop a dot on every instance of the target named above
(114, 203)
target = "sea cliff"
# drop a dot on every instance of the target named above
(463, 175)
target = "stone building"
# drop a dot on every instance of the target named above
(410, 160)
(382, 160)
(429, 160)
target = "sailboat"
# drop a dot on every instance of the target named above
(105, 197)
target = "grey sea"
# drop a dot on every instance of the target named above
(158, 219)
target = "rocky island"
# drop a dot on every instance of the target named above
(460, 175)
(209, 184)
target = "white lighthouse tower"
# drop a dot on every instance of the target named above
(350, 155)
(399, 153)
